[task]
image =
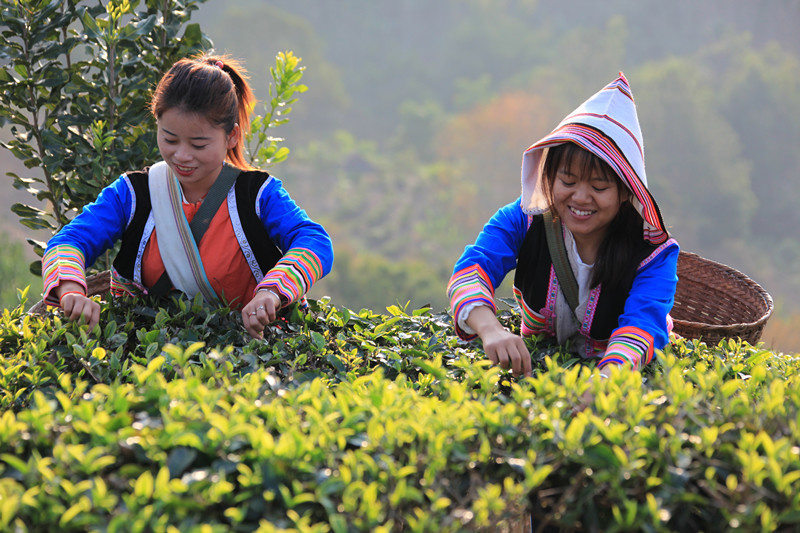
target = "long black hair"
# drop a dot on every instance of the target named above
(617, 254)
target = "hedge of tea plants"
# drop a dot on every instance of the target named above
(168, 417)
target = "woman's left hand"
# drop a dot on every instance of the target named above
(260, 311)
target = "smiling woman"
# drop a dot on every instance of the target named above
(202, 221)
(601, 276)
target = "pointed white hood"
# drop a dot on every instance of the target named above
(606, 125)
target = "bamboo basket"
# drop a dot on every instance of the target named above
(714, 301)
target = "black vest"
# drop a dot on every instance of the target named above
(532, 278)
(246, 188)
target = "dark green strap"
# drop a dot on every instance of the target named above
(216, 195)
(201, 220)
(558, 254)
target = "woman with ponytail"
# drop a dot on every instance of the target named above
(251, 247)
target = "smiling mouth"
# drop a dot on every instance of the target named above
(183, 170)
(580, 212)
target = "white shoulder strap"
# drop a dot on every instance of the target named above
(175, 241)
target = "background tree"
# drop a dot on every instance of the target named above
(488, 141)
(77, 79)
(78, 99)
(694, 156)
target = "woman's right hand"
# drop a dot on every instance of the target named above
(501, 346)
(76, 305)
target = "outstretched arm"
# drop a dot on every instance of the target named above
(307, 247)
(480, 269)
(483, 265)
(76, 247)
(307, 257)
(643, 326)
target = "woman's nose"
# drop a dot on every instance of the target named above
(581, 192)
(182, 153)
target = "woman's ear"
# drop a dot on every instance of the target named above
(233, 136)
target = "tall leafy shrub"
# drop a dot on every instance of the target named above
(76, 81)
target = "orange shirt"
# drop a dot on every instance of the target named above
(223, 260)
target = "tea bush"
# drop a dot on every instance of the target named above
(170, 418)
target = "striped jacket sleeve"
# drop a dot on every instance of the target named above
(644, 325)
(484, 264)
(307, 247)
(95, 230)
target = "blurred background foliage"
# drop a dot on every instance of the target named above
(411, 132)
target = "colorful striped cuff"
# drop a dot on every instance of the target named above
(294, 274)
(467, 286)
(532, 322)
(121, 286)
(629, 346)
(61, 263)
